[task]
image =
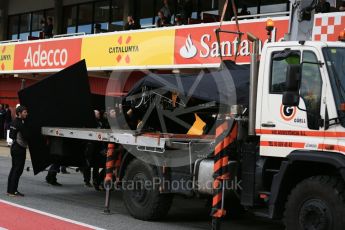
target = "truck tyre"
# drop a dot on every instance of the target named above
(317, 203)
(144, 203)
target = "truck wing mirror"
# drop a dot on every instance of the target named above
(293, 77)
(292, 85)
(290, 98)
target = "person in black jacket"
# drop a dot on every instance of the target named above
(48, 29)
(8, 119)
(162, 20)
(131, 24)
(94, 157)
(2, 121)
(19, 133)
(185, 10)
(323, 7)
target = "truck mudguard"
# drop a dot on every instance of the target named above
(279, 184)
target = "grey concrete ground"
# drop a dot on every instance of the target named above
(78, 203)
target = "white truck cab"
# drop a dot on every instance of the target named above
(317, 122)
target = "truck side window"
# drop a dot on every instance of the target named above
(278, 72)
(311, 89)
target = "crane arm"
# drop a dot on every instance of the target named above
(301, 20)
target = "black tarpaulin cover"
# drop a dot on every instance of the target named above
(61, 100)
(229, 85)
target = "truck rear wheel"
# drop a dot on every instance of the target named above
(317, 203)
(141, 195)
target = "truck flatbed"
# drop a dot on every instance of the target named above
(146, 141)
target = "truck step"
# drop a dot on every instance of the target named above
(272, 170)
(262, 212)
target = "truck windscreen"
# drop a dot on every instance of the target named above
(335, 61)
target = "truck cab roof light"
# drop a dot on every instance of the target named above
(269, 25)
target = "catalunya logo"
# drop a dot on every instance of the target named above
(123, 49)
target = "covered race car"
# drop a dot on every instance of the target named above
(176, 103)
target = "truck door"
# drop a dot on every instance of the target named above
(284, 129)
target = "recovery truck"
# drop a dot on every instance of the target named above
(287, 148)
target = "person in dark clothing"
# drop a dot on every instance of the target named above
(48, 29)
(91, 162)
(19, 133)
(2, 121)
(162, 20)
(244, 11)
(342, 7)
(63, 170)
(131, 24)
(7, 119)
(167, 11)
(52, 173)
(94, 158)
(323, 7)
(178, 20)
(43, 26)
(185, 10)
(112, 119)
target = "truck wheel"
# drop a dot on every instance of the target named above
(317, 203)
(142, 199)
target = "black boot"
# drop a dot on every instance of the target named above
(51, 179)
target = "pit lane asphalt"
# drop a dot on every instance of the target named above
(76, 202)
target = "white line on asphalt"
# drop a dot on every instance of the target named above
(51, 215)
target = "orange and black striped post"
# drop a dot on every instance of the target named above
(108, 182)
(226, 133)
(118, 161)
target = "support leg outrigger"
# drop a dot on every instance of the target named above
(108, 183)
(226, 133)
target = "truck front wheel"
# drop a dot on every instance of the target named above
(141, 192)
(317, 203)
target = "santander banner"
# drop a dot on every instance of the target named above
(198, 44)
(46, 55)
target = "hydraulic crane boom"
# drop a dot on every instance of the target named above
(301, 20)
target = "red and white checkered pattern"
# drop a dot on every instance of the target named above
(327, 27)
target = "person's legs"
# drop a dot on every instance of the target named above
(7, 127)
(87, 175)
(1, 129)
(5, 130)
(95, 175)
(21, 164)
(102, 177)
(64, 170)
(10, 184)
(52, 172)
(18, 162)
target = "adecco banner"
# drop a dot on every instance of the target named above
(130, 49)
(6, 57)
(46, 55)
(198, 44)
